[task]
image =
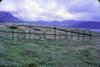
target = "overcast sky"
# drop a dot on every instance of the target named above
(53, 9)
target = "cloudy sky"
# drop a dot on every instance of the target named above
(53, 9)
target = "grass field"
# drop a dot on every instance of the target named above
(47, 53)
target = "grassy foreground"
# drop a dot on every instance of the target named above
(44, 53)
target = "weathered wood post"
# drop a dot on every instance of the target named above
(90, 35)
(13, 28)
(55, 32)
(83, 35)
(78, 35)
(29, 33)
(71, 34)
(66, 35)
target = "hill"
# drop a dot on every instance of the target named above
(45, 53)
(6, 17)
(66, 24)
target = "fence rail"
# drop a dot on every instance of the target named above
(39, 32)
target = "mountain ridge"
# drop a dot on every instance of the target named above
(6, 17)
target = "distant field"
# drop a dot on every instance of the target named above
(46, 53)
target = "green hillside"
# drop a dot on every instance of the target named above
(47, 53)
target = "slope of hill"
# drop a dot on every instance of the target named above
(46, 53)
(89, 25)
(66, 24)
(8, 17)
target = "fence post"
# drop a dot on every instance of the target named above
(71, 35)
(78, 35)
(83, 34)
(24, 33)
(55, 32)
(29, 34)
(90, 35)
(66, 35)
(12, 34)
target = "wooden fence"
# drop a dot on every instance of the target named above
(25, 32)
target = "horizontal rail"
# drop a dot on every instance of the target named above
(41, 33)
(40, 30)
